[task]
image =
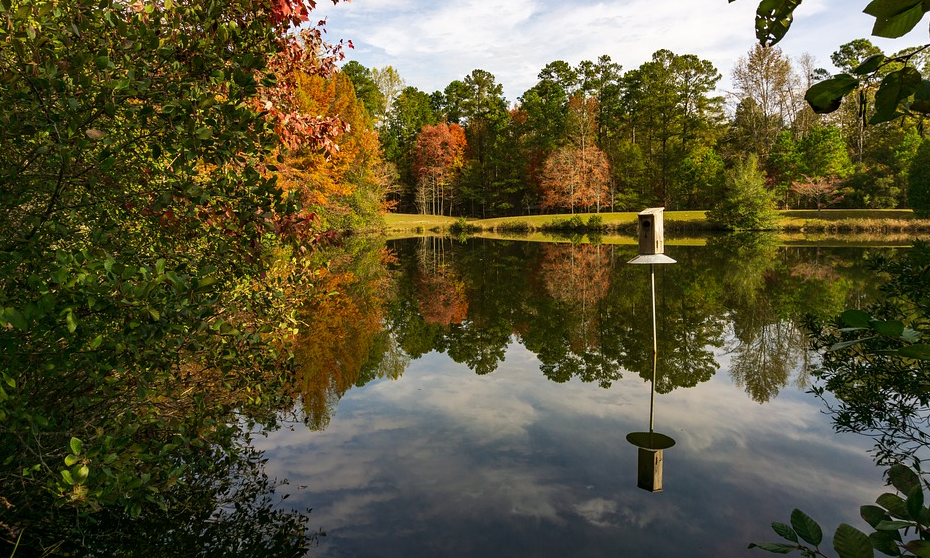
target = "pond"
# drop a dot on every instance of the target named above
(473, 398)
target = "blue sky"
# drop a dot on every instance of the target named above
(432, 42)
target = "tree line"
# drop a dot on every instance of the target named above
(593, 137)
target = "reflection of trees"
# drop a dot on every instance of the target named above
(768, 291)
(342, 343)
(230, 510)
(762, 361)
(688, 323)
(586, 314)
(879, 391)
(567, 334)
(440, 293)
(578, 277)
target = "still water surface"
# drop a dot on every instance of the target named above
(473, 399)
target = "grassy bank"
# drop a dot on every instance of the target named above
(828, 221)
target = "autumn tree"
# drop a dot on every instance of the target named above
(821, 191)
(389, 84)
(577, 174)
(410, 111)
(439, 156)
(571, 179)
(348, 187)
(141, 219)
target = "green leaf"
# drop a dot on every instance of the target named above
(96, 342)
(895, 88)
(919, 548)
(107, 163)
(785, 531)
(806, 528)
(870, 64)
(903, 478)
(826, 96)
(850, 542)
(773, 19)
(856, 318)
(894, 504)
(890, 328)
(156, 315)
(846, 344)
(873, 515)
(13, 316)
(204, 133)
(71, 321)
(777, 548)
(915, 502)
(76, 446)
(893, 525)
(66, 474)
(910, 335)
(921, 102)
(894, 18)
(885, 542)
(71, 459)
(919, 351)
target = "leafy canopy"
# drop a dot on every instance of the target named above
(903, 91)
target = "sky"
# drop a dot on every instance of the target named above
(433, 42)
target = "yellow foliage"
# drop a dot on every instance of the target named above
(325, 182)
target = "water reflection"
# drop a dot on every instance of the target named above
(516, 370)
(577, 307)
(585, 316)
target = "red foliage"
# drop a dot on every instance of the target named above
(822, 191)
(574, 177)
(438, 157)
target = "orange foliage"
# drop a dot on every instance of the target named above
(442, 298)
(337, 338)
(325, 180)
(439, 156)
(578, 275)
(574, 177)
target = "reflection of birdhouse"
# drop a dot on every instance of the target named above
(651, 233)
(650, 444)
(649, 472)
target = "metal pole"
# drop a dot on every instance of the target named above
(655, 351)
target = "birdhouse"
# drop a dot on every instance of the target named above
(651, 233)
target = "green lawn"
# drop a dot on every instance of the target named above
(790, 220)
(408, 222)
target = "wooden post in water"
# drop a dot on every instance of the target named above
(651, 444)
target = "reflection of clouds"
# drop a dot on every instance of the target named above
(513, 455)
(599, 512)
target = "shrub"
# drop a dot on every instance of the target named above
(746, 204)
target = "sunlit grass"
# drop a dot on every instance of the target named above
(412, 222)
(834, 221)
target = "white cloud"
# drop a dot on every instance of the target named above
(432, 43)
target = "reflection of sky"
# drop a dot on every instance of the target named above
(443, 462)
